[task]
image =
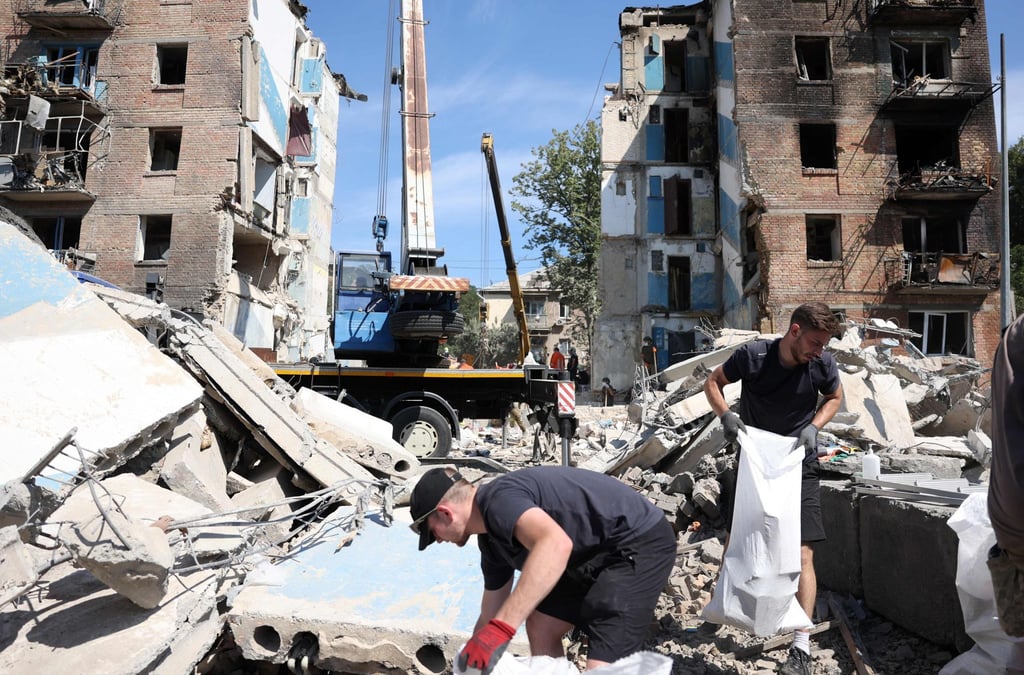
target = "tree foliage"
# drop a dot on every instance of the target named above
(1015, 183)
(488, 346)
(558, 196)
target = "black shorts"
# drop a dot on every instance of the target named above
(812, 528)
(612, 596)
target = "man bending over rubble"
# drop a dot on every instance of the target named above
(1006, 486)
(781, 383)
(592, 553)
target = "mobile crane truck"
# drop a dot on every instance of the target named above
(395, 322)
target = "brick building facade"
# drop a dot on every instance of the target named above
(181, 149)
(857, 164)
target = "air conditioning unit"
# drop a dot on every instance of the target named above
(560, 321)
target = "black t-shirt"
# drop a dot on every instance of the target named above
(598, 512)
(774, 398)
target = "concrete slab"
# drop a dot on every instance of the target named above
(709, 360)
(75, 624)
(879, 401)
(378, 601)
(274, 425)
(190, 470)
(365, 438)
(101, 375)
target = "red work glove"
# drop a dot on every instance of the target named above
(486, 646)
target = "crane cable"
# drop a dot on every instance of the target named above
(385, 113)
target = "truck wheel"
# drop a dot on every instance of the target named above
(417, 324)
(422, 431)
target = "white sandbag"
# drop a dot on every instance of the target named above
(992, 647)
(756, 589)
(640, 663)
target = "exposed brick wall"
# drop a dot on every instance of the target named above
(771, 103)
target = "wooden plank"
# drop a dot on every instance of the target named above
(778, 641)
(851, 644)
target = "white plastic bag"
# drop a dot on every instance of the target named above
(756, 589)
(992, 647)
(640, 663)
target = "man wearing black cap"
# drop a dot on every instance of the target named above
(592, 553)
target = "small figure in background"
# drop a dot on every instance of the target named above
(574, 364)
(557, 360)
(607, 392)
(649, 354)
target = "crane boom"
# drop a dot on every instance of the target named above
(518, 305)
(419, 246)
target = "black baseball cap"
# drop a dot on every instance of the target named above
(427, 494)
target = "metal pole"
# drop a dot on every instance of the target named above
(1004, 257)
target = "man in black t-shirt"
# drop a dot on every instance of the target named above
(782, 380)
(592, 553)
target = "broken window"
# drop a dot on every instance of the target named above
(164, 149)
(812, 59)
(941, 332)
(677, 206)
(926, 147)
(818, 146)
(919, 58)
(58, 233)
(823, 238)
(654, 115)
(675, 66)
(72, 66)
(657, 261)
(678, 283)
(154, 241)
(170, 64)
(677, 129)
(934, 234)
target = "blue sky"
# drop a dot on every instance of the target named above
(517, 69)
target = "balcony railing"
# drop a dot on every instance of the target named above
(926, 93)
(948, 271)
(940, 182)
(916, 12)
(64, 15)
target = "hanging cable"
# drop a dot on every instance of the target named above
(380, 220)
(597, 90)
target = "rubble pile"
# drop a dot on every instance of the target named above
(165, 487)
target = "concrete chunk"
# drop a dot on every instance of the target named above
(193, 472)
(879, 400)
(363, 437)
(17, 569)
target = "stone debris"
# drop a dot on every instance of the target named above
(205, 497)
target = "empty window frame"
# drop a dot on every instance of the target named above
(824, 238)
(926, 147)
(154, 242)
(942, 332)
(677, 129)
(72, 66)
(813, 61)
(171, 62)
(934, 234)
(164, 149)
(677, 207)
(818, 146)
(919, 58)
(674, 55)
(678, 283)
(58, 233)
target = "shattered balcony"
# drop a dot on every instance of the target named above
(44, 164)
(921, 12)
(943, 273)
(924, 93)
(64, 15)
(940, 183)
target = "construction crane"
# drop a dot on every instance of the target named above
(518, 304)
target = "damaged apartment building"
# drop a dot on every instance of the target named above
(180, 149)
(757, 155)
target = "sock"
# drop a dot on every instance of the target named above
(802, 641)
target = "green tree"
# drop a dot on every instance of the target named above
(1015, 183)
(558, 196)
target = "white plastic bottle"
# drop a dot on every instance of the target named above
(871, 466)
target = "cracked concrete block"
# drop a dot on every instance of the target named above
(267, 497)
(131, 557)
(706, 494)
(981, 445)
(193, 472)
(697, 406)
(17, 568)
(235, 483)
(938, 467)
(81, 626)
(879, 400)
(363, 437)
